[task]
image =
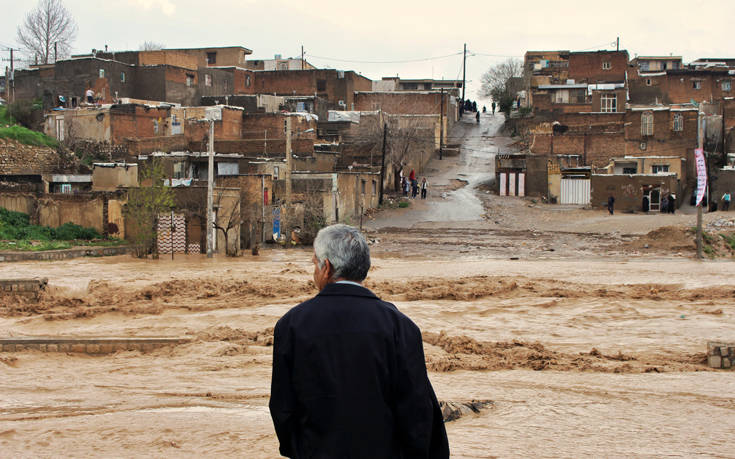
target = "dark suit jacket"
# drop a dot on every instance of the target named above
(349, 381)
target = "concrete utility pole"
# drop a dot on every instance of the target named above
(287, 175)
(700, 143)
(10, 86)
(382, 164)
(441, 126)
(617, 44)
(210, 192)
(464, 70)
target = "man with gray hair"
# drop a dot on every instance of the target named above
(349, 376)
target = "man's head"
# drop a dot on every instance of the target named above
(340, 253)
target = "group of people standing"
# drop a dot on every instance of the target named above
(411, 185)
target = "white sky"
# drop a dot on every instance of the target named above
(399, 30)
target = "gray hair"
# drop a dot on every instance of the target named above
(346, 249)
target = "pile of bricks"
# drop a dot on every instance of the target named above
(721, 355)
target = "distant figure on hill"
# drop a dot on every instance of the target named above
(90, 95)
(726, 201)
(611, 204)
(665, 204)
(493, 108)
(672, 203)
(424, 187)
(477, 117)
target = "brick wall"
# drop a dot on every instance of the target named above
(678, 86)
(587, 66)
(330, 84)
(272, 126)
(137, 121)
(628, 189)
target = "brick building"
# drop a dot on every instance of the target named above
(337, 86)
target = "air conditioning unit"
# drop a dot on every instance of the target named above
(643, 145)
(341, 103)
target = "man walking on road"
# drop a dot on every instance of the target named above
(493, 108)
(611, 204)
(349, 376)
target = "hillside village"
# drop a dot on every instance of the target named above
(296, 147)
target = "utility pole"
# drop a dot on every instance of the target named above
(210, 193)
(10, 86)
(287, 175)
(441, 127)
(700, 143)
(302, 57)
(617, 44)
(56, 43)
(382, 164)
(464, 71)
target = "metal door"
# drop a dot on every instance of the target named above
(575, 191)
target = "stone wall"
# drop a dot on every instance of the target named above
(19, 159)
(30, 288)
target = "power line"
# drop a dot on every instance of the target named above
(386, 62)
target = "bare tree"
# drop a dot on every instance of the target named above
(498, 82)
(151, 46)
(230, 220)
(48, 31)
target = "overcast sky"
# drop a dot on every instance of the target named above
(335, 31)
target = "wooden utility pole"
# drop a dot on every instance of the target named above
(617, 44)
(441, 127)
(464, 70)
(302, 58)
(210, 192)
(382, 165)
(700, 145)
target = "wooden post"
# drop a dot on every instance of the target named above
(382, 165)
(210, 192)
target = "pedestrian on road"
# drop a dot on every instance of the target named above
(406, 187)
(665, 204)
(611, 204)
(415, 188)
(484, 109)
(672, 203)
(412, 175)
(726, 201)
(349, 375)
(424, 187)
(477, 117)
(493, 108)
(645, 204)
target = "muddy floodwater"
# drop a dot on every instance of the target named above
(598, 357)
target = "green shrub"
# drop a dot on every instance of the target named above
(404, 204)
(70, 231)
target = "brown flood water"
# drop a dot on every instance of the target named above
(600, 358)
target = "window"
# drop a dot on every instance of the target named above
(362, 187)
(726, 85)
(122, 77)
(208, 80)
(678, 122)
(102, 73)
(630, 170)
(375, 187)
(648, 82)
(606, 65)
(66, 188)
(247, 81)
(660, 168)
(211, 58)
(321, 85)
(608, 103)
(179, 167)
(696, 84)
(189, 80)
(275, 172)
(647, 124)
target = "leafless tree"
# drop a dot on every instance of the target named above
(497, 81)
(151, 46)
(48, 31)
(228, 221)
